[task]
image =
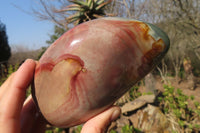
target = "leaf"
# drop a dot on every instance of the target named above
(73, 18)
(179, 91)
(90, 4)
(97, 15)
(73, 7)
(197, 126)
(99, 7)
(99, 2)
(181, 123)
(79, 2)
(192, 97)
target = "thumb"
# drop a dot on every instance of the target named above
(100, 123)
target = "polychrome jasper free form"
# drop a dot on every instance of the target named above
(89, 67)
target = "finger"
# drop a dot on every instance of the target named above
(14, 96)
(28, 115)
(99, 123)
(31, 119)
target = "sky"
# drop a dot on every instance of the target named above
(22, 28)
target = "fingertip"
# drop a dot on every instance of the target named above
(100, 122)
(116, 113)
(29, 61)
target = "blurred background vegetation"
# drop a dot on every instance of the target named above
(180, 19)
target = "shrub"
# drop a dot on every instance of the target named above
(174, 102)
(11, 69)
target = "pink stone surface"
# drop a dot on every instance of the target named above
(89, 67)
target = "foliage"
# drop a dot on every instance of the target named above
(127, 129)
(77, 129)
(85, 10)
(113, 131)
(54, 130)
(134, 93)
(11, 69)
(51, 129)
(4, 47)
(58, 31)
(42, 52)
(5, 51)
(174, 102)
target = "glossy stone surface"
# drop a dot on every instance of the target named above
(88, 68)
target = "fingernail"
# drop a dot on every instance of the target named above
(115, 114)
(25, 61)
(28, 60)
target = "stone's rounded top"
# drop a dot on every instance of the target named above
(158, 33)
(153, 31)
(119, 19)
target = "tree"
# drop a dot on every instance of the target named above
(58, 31)
(4, 49)
(46, 10)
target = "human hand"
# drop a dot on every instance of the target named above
(18, 116)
